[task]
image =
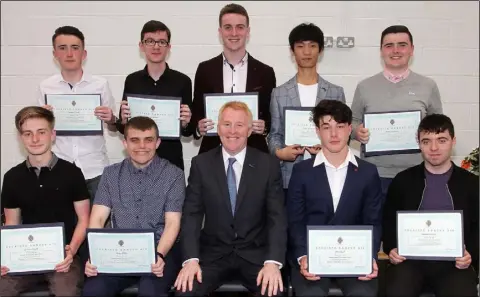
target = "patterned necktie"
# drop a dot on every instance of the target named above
(232, 185)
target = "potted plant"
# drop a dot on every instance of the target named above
(470, 162)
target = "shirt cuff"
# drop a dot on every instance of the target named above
(197, 133)
(299, 258)
(275, 262)
(186, 261)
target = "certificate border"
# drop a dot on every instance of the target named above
(115, 230)
(79, 132)
(126, 95)
(227, 95)
(31, 226)
(345, 228)
(285, 108)
(432, 211)
(388, 152)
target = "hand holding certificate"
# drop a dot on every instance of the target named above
(213, 103)
(29, 249)
(117, 251)
(75, 113)
(430, 235)
(298, 127)
(392, 132)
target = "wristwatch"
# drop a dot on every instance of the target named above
(160, 255)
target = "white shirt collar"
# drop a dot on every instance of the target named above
(85, 78)
(320, 158)
(242, 62)
(240, 156)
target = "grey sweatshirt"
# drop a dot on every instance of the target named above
(377, 94)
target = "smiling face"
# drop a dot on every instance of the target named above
(234, 128)
(234, 32)
(69, 52)
(141, 145)
(37, 136)
(436, 148)
(396, 51)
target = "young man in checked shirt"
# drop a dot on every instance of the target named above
(143, 191)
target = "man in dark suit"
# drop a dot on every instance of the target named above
(244, 234)
(334, 188)
(233, 71)
(158, 79)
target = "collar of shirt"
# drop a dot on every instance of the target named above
(50, 164)
(320, 158)
(164, 74)
(85, 78)
(243, 61)
(396, 78)
(145, 170)
(240, 157)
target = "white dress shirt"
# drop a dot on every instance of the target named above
(336, 176)
(308, 97)
(88, 152)
(237, 168)
(235, 80)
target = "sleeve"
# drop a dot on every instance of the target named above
(103, 196)
(434, 102)
(79, 186)
(358, 110)
(107, 97)
(40, 96)
(120, 126)
(389, 222)
(372, 209)
(296, 213)
(198, 112)
(271, 85)
(276, 137)
(176, 193)
(187, 100)
(342, 95)
(471, 240)
(8, 197)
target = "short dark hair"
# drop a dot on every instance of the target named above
(306, 32)
(233, 8)
(33, 112)
(68, 30)
(436, 123)
(338, 110)
(154, 26)
(394, 30)
(140, 123)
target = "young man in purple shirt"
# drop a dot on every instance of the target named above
(437, 184)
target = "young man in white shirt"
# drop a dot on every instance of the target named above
(89, 153)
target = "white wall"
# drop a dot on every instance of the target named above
(446, 38)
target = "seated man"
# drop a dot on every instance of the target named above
(143, 191)
(437, 184)
(45, 189)
(334, 188)
(238, 189)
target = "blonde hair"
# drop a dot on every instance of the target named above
(237, 105)
(33, 112)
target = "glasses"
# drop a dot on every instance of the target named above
(151, 42)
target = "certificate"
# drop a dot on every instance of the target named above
(165, 111)
(299, 129)
(31, 249)
(122, 251)
(344, 251)
(430, 235)
(392, 132)
(74, 113)
(213, 103)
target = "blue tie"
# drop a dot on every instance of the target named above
(232, 185)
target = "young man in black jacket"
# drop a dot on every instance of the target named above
(438, 185)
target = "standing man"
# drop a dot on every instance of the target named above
(436, 184)
(306, 89)
(233, 71)
(334, 188)
(158, 79)
(45, 189)
(397, 88)
(237, 190)
(143, 191)
(89, 153)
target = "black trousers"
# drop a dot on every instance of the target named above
(411, 277)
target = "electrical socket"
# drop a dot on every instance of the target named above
(345, 42)
(328, 41)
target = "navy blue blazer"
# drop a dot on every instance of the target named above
(310, 202)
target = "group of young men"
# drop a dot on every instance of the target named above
(249, 198)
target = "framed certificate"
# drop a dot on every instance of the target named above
(74, 113)
(32, 248)
(344, 251)
(298, 127)
(214, 101)
(122, 251)
(392, 133)
(430, 235)
(164, 110)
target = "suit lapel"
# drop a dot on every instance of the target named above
(321, 90)
(348, 186)
(219, 172)
(248, 177)
(322, 185)
(216, 75)
(251, 74)
(293, 95)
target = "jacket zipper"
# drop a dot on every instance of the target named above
(423, 193)
(450, 194)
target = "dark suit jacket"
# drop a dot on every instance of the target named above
(209, 79)
(257, 232)
(309, 202)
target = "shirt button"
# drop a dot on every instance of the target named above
(154, 84)
(41, 186)
(137, 217)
